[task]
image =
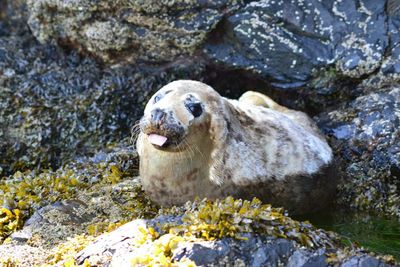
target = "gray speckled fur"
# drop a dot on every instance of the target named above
(236, 148)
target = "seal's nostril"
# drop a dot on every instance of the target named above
(158, 115)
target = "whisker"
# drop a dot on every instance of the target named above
(198, 150)
(191, 152)
(136, 129)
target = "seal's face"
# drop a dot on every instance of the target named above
(175, 116)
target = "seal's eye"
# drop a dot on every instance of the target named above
(195, 109)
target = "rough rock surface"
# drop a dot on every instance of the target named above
(120, 247)
(105, 194)
(90, 191)
(56, 105)
(21, 255)
(140, 31)
(286, 41)
(283, 42)
(366, 135)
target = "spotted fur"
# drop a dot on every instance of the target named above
(246, 148)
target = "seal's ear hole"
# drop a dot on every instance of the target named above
(195, 108)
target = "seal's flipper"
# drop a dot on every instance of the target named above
(258, 99)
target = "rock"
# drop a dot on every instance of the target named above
(283, 42)
(87, 196)
(119, 242)
(56, 105)
(22, 255)
(321, 49)
(366, 134)
(256, 251)
(136, 31)
(136, 243)
(204, 253)
(305, 258)
(286, 42)
(364, 261)
(260, 236)
(56, 221)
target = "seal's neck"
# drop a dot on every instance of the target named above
(192, 160)
(176, 177)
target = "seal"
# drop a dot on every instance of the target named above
(195, 143)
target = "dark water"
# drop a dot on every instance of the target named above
(378, 234)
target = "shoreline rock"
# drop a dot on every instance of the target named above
(366, 136)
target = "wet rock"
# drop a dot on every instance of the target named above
(56, 105)
(138, 31)
(256, 251)
(13, 16)
(287, 41)
(391, 66)
(134, 240)
(322, 49)
(306, 258)
(366, 134)
(281, 41)
(364, 261)
(204, 253)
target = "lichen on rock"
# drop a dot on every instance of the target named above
(65, 252)
(135, 31)
(365, 134)
(286, 42)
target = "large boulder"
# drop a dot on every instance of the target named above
(366, 135)
(285, 43)
(149, 31)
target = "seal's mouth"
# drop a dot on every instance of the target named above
(158, 140)
(164, 142)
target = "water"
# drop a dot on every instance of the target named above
(378, 234)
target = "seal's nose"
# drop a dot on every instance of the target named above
(158, 116)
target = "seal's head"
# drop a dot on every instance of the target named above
(179, 114)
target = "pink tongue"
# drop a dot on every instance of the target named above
(158, 140)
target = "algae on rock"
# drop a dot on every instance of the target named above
(56, 105)
(122, 197)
